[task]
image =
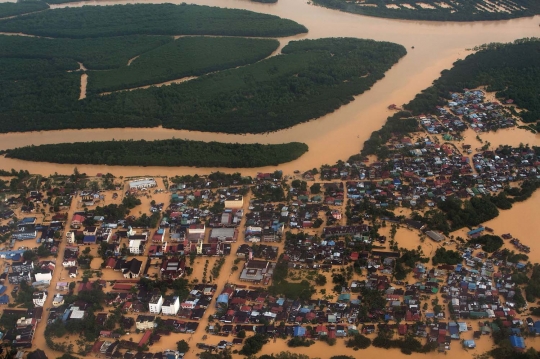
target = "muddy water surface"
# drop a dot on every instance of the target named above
(337, 135)
(332, 137)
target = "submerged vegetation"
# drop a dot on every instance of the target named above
(187, 56)
(435, 10)
(163, 153)
(150, 19)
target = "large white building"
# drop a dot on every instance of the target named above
(39, 298)
(171, 306)
(136, 246)
(142, 183)
(155, 304)
(44, 276)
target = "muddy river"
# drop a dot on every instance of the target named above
(332, 137)
(336, 135)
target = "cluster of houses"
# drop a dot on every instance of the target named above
(421, 179)
(22, 332)
(482, 115)
(193, 307)
(111, 349)
(265, 221)
(442, 124)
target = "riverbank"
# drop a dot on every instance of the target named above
(438, 45)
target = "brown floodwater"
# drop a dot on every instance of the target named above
(334, 136)
(331, 137)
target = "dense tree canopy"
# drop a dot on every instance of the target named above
(163, 153)
(443, 256)
(150, 19)
(21, 7)
(97, 54)
(311, 79)
(490, 243)
(187, 56)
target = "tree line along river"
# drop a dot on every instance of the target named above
(334, 136)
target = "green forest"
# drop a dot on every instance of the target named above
(458, 10)
(187, 56)
(310, 79)
(21, 7)
(27, 86)
(511, 70)
(163, 153)
(150, 19)
(94, 53)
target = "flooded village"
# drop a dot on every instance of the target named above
(352, 258)
(333, 259)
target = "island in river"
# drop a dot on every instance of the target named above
(163, 153)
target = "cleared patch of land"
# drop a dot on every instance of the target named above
(163, 153)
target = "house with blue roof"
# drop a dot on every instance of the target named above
(89, 239)
(222, 298)
(517, 343)
(299, 331)
(535, 328)
(475, 231)
(4, 299)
